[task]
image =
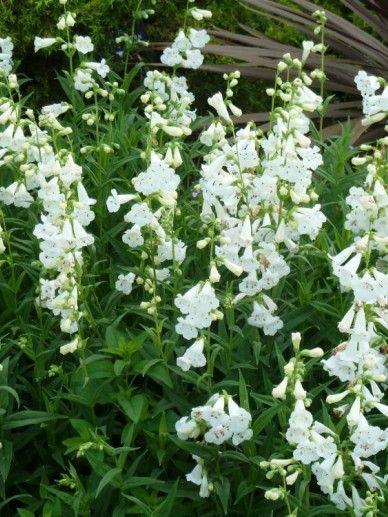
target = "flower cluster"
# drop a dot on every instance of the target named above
(361, 269)
(62, 235)
(217, 426)
(199, 306)
(185, 50)
(375, 106)
(49, 175)
(167, 103)
(314, 444)
(83, 75)
(343, 467)
(6, 61)
(255, 200)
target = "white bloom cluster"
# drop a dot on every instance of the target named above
(199, 306)
(375, 106)
(26, 146)
(167, 103)
(62, 235)
(217, 425)
(149, 217)
(185, 50)
(256, 199)
(168, 107)
(214, 425)
(83, 75)
(360, 360)
(6, 61)
(317, 445)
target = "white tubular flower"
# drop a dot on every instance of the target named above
(217, 102)
(313, 352)
(40, 43)
(193, 357)
(187, 428)
(279, 392)
(200, 14)
(307, 99)
(100, 67)
(336, 397)
(299, 392)
(70, 348)
(115, 200)
(214, 276)
(296, 338)
(307, 48)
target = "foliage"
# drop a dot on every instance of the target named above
(93, 433)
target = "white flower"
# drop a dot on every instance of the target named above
(198, 476)
(83, 44)
(187, 428)
(217, 102)
(159, 177)
(262, 317)
(124, 283)
(69, 348)
(101, 67)
(200, 14)
(307, 47)
(194, 59)
(239, 422)
(171, 57)
(279, 392)
(139, 214)
(299, 392)
(197, 305)
(193, 356)
(309, 220)
(115, 200)
(368, 440)
(198, 38)
(55, 110)
(40, 43)
(83, 80)
(354, 414)
(309, 100)
(133, 237)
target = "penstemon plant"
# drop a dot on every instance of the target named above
(173, 385)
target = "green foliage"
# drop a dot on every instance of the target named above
(93, 434)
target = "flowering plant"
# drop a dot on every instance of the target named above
(134, 343)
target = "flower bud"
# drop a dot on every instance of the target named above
(313, 352)
(296, 338)
(299, 392)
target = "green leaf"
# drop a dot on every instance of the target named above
(222, 489)
(167, 506)
(133, 407)
(160, 372)
(23, 418)
(244, 398)
(25, 513)
(107, 478)
(131, 75)
(6, 454)
(12, 392)
(265, 417)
